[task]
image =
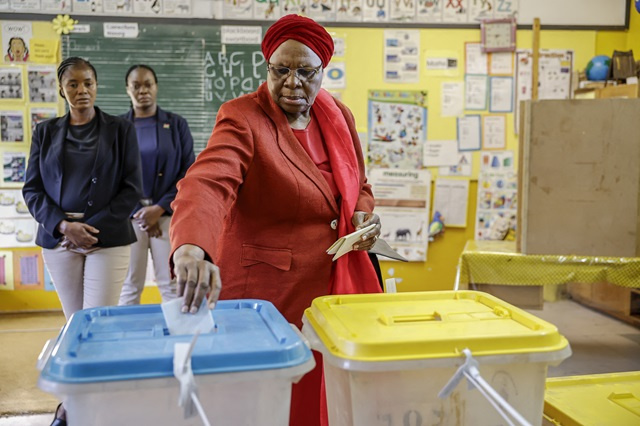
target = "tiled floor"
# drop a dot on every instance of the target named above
(599, 343)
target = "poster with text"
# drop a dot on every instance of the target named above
(16, 36)
(402, 202)
(43, 86)
(401, 56)
(397, 128)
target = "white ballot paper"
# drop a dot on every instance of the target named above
(345, 244)
(180, 323)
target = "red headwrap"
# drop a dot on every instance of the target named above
(305, 30)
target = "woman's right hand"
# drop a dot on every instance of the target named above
(79, 234)
(196, 277)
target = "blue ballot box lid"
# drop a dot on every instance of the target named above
(133, 342)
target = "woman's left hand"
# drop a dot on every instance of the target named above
(362, 220)
(147, 217)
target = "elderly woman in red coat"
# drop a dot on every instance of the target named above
(281, 179)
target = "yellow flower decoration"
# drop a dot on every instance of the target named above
(63, 24)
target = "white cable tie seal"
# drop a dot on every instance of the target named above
(188, 398)
(469, 370)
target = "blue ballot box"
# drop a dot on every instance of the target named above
(114, 365)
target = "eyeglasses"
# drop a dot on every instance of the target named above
(303, 74)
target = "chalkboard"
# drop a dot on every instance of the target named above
(195, 73)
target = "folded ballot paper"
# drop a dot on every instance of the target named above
(345, 244)
(180, 323)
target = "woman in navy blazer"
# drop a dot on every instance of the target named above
(83, 180)
(166, 150)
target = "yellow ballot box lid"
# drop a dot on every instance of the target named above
(428, 325)
(598, 399)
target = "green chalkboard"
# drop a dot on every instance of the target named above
(196, 74)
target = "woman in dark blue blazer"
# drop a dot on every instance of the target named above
(166, 150)
(83, 180)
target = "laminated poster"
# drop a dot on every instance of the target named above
(43, 84)
(451, 200)
(463, 166)
(496, 214)
(11, 83)
(397, 128)
(17, 232)
(28, 270)
(6, 270)
(13, 167)
(402, 202)
(401, 56)
(11, 127)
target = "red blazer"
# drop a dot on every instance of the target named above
(256, 203)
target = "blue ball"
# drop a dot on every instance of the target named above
(638, 5)
(598, 68)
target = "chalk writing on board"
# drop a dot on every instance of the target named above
(227, 76)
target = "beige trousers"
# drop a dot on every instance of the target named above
(87, 280)
(160, 251)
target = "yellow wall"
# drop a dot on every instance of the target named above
(364, 58)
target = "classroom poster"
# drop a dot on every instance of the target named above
(402, 11)
(11, 83)
(28, 270)
(349, 10)
(116, 7)
(375, 10)
(17, 232)
(43, 84)
(441, 63)
(440, 153)
(494, 132)
(397, 128)
(237, 9)
(147, 7)
(463, 166)
(16, 36)
(455, 11)
(475, 92)
(497, 161)
(56, 6)
(14, 165)
(6, 270)
(179, 8)
(501, 94)
(476, 61)
(402, 202)
(481, 9)
(554, 77)
(299, 7)
(322, 10)
(496, 214)
(429, 11)
(401, 56)
(38, 115)
(335, 76)
(11, 126)
(12, 204)
(469, 133)
(452, 94)
(450, 200)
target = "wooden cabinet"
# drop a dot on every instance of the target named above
(620, 302)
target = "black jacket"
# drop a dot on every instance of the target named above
(175, 155)
(116, 180)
